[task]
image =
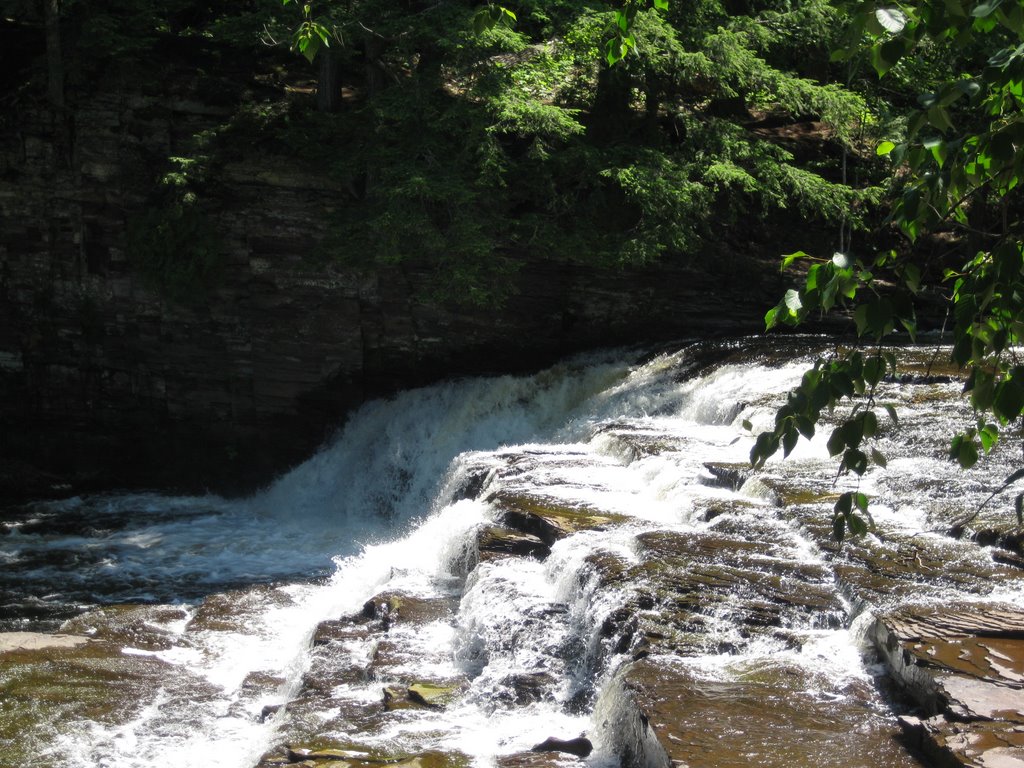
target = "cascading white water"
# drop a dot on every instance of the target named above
(375, 510)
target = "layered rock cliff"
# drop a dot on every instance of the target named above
(106, 381)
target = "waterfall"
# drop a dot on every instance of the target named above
(211, 614)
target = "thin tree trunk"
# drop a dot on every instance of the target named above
(54, 57)
(611, 110)
(373, 49)
(328, 89)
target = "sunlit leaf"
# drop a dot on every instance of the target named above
(793, 302)
(841, 260)
(891, 19)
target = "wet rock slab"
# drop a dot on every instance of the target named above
(549, 519)
(33, 641)
(360, 673)
(963, 664)
(965, 667)
(537, 760)
(357, 756)
(664, 715)
(51, 684)
(495, 541)
(888, 567)
(691, 580)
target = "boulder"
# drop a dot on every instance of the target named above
(528, 687)
(496, 541)
(580, 746)
(547, 519)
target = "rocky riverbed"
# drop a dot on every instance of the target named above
(629, 595)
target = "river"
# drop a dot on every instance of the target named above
(206, 615)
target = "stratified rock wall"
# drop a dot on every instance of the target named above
(104, 381)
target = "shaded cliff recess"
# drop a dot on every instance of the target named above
(201, 272)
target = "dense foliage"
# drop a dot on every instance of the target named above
(475, 145)
(959, 168)
(469, 147)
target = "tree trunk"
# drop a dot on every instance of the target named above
(611, 111)
(54, 57)
(373, 49)
(328, 89)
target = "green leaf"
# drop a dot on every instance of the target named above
(309, 46)
(611, 54)
(986, 9)
(789, 258)
(874, 369)
(879, 458)
(892, 414)
(1009, 400)
(939, 151)
(814, 276)
(856, 461)
(860, 319)
(765, 445)
(789, 440)
(842, 385)
(963, 450)
(856, 525)
(885, 148)
(861, 501)
(836, 442)
(838, 528)
(841, 260)
(983, 391)
(853, 431)
(989, 435)
(887, 55)
(747, 425)
(870, 424)
(912, 277)
(891, 19)
(939, 117)
(879, 317)
(844, 504)
(793, 302)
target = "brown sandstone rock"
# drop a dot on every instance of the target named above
(965, 667)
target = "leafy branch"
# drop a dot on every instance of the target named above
(959, 159)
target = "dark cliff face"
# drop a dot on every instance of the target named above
(106, 382)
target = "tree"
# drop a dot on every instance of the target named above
(54, 56)
(958, 167)
(497, 136)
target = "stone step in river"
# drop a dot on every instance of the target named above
(571, 569)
